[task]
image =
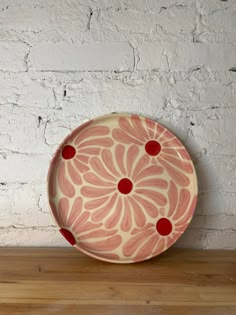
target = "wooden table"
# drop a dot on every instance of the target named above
(62, 281)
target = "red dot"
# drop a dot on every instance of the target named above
(152, 147)
(68, 152)
(68, 236)
(164, 226)
(125, 186)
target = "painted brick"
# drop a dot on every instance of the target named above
(97, 57)
(135, 22)
(23, 168)
(22, 89)
(186, 56)
(13, 56)
(37, 18)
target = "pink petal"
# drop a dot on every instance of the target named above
(180, 153)
(93, 192)
(93, 179)
(88, 226)
(127, 217)
(80, 166)
(65, 186)
(99, 142)
(154, 182)
(183, 165)
(134, 242)
(160, 247)
(108, 161)
(188, 215)
(162, 212)
(93, 204)
(82, 158)
(97, 233)
(147, 205)
(150, 134)
(77, 131)
(170, 151)
(184, 220)
(173, 198)
(82, 219)
(139, 127)
(159, 130)
(103, 212)
(74, 175)
(145, 228)
(176, 175)
(119, 153)
(75, 211)
(149, 171)
(154, 160)
(125, 125)
(131, 157)
(172, 143)
(92, 132)
(167, 135)
(147, 248)
(63, 207)
(154, 195)
(139, 217)
(150, 125)
(54, 212)
(184, 154)
(98, 167)
(184, 199)
(142, 163)
(90, 151)
(115, 217)
(122, 137)
(108, 244)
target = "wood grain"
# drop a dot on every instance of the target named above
(63, 281)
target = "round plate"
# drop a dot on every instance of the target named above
(122, 188)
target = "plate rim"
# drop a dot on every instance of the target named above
(83, 125)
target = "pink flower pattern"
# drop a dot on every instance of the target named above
(86, 235)
(122, 190)
(152, 239)
(71, 160)
(107, 183)
(159, 143)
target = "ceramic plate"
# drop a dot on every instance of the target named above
(122, 188)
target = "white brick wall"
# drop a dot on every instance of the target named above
(172, 60)
(78, 57)
(13, 54)
(185, 56)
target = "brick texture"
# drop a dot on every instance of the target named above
(64, 62)
(69, 57)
